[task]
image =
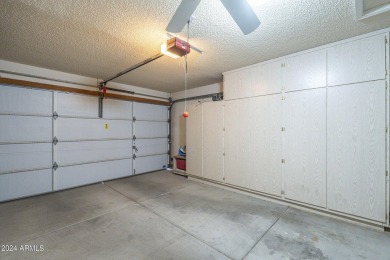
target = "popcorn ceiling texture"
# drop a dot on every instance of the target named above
(98, 38)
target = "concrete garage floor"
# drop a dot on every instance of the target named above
(165, 216)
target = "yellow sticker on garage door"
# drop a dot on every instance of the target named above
(106, 126)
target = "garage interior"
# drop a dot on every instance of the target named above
(267, 138)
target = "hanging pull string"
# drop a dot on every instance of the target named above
(186, 68)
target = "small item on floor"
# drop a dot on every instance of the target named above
(181, 163)
(182, 151)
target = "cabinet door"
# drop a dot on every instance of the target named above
(304, 116)
(356, 149)
(266, 79)
(265, 142)
(358, 61)
(194, 140)
(236, 84)
(305, 71)
(213, 140)
(237, 142)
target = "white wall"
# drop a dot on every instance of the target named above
(178, 122)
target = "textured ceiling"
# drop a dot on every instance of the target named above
(98, 38)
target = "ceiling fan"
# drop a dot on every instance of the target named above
(240, 10)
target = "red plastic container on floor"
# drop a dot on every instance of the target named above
(181, 164)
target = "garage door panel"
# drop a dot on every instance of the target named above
(74, 105)
(150, 163)
(78, 175)
(77, 129)
(23, 184)
(149, 112)
(145, 129)
(23, 101)
(23, 157)
(117, 109)
(151, 131)
(147, 147)
(21, 129)
(70, 153)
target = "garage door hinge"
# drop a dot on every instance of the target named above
(387, 173)
(55, 166)
(223, 154)
(134, 138)
(134, 119)
(387, 216)
(283, 129)
(283, 161)
(223, 178)
(55, 140)
(283, 193)
(387, 129)
(55, 115)
(135, 148)
(134, 156)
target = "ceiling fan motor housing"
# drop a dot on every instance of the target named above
(178, 46)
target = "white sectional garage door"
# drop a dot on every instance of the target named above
(25, 142)
(150, 137)
(91, 149)
(52, 140)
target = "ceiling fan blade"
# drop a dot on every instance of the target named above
(242, 14)
(182, 15)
